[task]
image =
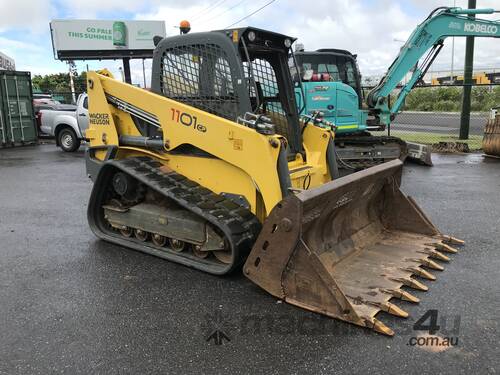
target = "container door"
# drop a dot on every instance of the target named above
(19, 122)
(4, 133)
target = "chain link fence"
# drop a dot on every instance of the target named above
(431, 115)
(65, 97)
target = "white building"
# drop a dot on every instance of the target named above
(6, 62)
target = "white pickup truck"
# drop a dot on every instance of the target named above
(67, 124)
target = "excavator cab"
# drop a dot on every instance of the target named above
(330, 65)
(231, 73)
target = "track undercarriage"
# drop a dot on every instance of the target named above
(364, 151)
(158, 211)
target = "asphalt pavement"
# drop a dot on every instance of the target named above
(70, 303)
(438, 122)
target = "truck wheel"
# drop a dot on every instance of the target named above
(68, 140)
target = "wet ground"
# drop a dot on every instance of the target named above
(72, 304)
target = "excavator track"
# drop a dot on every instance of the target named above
(237, 225)
(361, 159)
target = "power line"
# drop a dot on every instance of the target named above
(224, 12)
(208, 9)
(251, 14)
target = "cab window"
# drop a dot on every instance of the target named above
(331, 69)
(351, 74)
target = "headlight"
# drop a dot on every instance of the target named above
(251, 36)
(288, 43)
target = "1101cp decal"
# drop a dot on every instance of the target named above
(187, 120)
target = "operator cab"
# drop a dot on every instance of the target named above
(231, 73)
(328, 65)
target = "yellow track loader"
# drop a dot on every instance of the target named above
(215, 170)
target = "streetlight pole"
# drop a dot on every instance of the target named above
(72, 71)
(469, 62)
(452, 50)
(122, 74)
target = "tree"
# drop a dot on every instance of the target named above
(59, 83)
(449, 99)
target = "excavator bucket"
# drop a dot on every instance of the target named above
(345, 249)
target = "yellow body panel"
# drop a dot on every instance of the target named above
(244, 161)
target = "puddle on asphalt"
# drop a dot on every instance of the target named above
(472, 158)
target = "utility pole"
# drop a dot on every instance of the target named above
(122, 74)
(469, 62)
(72, 72)
(126, 70)
(452, 50)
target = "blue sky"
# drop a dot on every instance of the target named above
(371, 28)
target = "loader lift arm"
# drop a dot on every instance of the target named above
(429, 36)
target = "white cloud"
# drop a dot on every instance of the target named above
(12, 47)
(201, 15)
(28, 15)
(348, 25)
(373, 33)
(92, 8)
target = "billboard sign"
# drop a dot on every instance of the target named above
(6, 62)
(104, 39)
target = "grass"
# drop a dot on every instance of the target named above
(474, 141)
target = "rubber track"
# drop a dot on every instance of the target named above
(370, 139)
(238, 224)
(367, 139)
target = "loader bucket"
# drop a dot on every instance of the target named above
(346, 248)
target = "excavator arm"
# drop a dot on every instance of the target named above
(428, 38)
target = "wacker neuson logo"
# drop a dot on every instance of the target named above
(478, 28)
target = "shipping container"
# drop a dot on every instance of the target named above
(17, 118)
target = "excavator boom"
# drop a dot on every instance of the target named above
(429, 36)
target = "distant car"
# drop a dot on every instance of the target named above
(66, 122)
(42, 96)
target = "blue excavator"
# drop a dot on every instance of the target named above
(328, 87)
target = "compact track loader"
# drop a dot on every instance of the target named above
(214, 169)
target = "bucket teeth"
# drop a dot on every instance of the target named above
(446, 248)
(390, 308)
(378, 326)
(453, 240)
(430, 264)
(437, 255)
(421, 272)
(412, 283)
(402, 295)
